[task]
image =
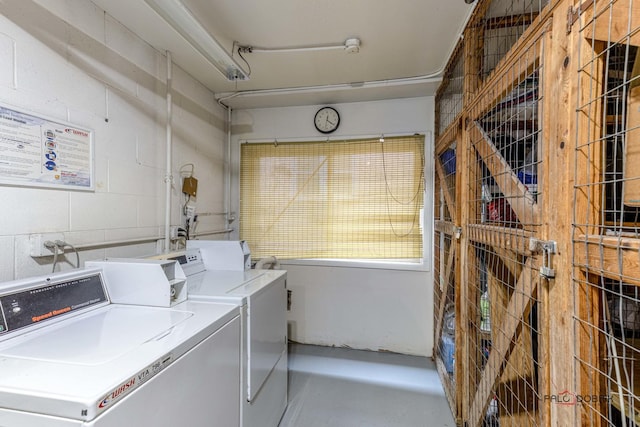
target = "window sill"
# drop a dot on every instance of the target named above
(382, 264)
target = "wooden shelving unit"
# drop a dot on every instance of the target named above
(450, 99)
(537, 224)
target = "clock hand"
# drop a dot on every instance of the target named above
(330, 122)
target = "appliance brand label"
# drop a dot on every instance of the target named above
(76, 132)
(134, 382)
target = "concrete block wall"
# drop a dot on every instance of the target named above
(96, 74)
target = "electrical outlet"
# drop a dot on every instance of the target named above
(37, 241)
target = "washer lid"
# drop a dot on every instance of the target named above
(217, 285)
(71, 368)
(100, 336)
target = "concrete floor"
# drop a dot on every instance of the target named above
(340, 387)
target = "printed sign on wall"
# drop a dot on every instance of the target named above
(39, 152)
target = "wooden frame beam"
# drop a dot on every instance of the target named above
(512, 239)
(617, 258)
(556, 347)
(612, 21)
(446, 227)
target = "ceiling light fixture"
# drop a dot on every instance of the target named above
(469, 1)
(180, 18)
(351, 45)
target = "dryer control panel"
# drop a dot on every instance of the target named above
(47, 298)
(190, 260)
(150, 282)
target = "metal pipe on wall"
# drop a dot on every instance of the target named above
(168, 178)
(227, 165)
(227, 159)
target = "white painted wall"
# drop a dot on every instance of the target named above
(364, 308)
(98, 75)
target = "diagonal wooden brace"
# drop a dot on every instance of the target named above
(520, 199)
(518, 308)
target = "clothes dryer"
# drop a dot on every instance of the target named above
(261, 296)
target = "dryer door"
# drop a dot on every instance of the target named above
(266, 334)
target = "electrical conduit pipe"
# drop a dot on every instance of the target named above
(168, 178)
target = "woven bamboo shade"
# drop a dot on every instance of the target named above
(359, 199)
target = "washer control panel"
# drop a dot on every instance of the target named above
(48, 298)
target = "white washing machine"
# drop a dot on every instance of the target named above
(70, 357)
(262, 298)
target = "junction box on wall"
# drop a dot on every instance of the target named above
(37, 242)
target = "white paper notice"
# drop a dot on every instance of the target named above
(39, 152)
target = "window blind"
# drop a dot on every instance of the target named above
(357, 199)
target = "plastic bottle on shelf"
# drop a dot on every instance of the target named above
(485, 313)
(486, 199)
(528, 175)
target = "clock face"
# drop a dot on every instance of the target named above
(327, 120)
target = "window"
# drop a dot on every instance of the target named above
(358, 199)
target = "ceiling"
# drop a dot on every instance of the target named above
(405, 45)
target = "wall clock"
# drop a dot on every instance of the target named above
(327, 120)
